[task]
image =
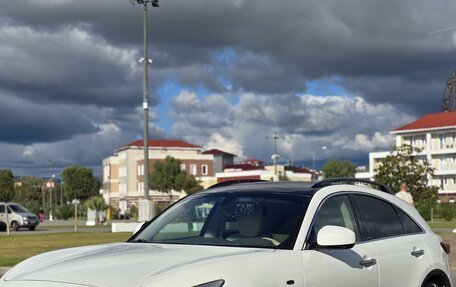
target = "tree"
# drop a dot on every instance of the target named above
(168, 176)
(97, 204)
(6, 185)
(79, 182)
(29, 193)
(403, 165)
(187, 183)
(336, 169)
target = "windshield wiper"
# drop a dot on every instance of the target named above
(140, 240)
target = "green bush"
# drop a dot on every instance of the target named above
(447, 211)
(64, 212)
(134, 212)
(425, 211)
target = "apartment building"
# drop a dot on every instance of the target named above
(123, 173)
(435, 135)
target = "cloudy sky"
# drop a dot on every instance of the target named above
(226, 74)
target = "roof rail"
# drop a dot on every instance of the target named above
(331, 181)
(233, 182)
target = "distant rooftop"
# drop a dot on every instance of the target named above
(162, 144)
(431, 121)
(242, 167)
(218, 152)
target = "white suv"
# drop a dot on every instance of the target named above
(330, 233)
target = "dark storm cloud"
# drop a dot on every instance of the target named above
(278, 46)
(82, 55)
(25, 123)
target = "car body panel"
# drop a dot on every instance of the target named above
(339, 267)
(158, 264)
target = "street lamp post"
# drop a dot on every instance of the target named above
(146, 205)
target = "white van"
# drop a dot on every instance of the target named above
(18, 216)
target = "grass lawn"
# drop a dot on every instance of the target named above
(442, 223)
(15, 248)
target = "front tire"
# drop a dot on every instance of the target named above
(14, 226)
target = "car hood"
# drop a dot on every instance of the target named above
(124, 264)
(27, 214)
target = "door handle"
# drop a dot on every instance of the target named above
(367, 261)
(417, 252)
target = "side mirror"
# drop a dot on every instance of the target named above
(337, 237)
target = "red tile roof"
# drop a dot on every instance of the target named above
(438, 120)
(243, 167)
(297, 169)
(217, 152)
(162, 144)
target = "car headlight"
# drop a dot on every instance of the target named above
(25, 218)
(216, 283)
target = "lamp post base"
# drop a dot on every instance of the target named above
(146, 210)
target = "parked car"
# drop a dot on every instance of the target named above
(18, 216)
(330, 233)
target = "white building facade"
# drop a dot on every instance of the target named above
(435, 135)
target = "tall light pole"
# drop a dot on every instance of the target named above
(275, 156)
(146, 209)
(146, 61)
(313, 156)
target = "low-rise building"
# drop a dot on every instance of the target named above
(435, 136)
(123, 173)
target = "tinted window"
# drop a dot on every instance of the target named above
(2, 208)
(335, 211)
(380, 218)
(410, 226)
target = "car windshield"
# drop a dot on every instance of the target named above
(17, 208)
(231, 219)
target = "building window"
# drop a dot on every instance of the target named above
(193, 169)
(123, 171)
(123, 188)
(107, 172)
(140, 186)
(182, 166)
(204, 169)
(442, 183)
(123, 155)
(442, 141)
(140, 169)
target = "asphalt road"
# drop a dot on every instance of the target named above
(60, 226)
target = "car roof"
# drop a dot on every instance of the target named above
(286, 187)
(291, 187)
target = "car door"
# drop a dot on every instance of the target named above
(401, 254)
(338, 267)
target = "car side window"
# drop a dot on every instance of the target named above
(410, 226)
(380, 218)
(335, 211)
(2, 208)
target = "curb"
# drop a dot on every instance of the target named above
(3, 270)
